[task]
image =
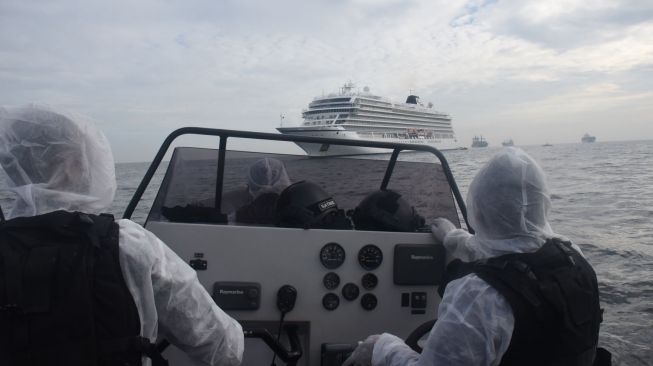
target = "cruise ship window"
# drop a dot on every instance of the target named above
(187, 193)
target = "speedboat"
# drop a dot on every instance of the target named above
(305, 295)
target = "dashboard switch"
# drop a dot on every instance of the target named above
(198, 264)
(418, 300)
(405, 299)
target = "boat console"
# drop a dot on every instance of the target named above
(305, 295)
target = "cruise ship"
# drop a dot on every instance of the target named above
(361, 115)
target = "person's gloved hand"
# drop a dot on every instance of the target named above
(362, 355)
(440, 227)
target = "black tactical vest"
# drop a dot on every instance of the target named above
(554, 297)
(63, 299)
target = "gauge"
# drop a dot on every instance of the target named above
(332, 255)
(331, 280)
(350, 291)
(368, 301)
(330, 301)
(370, 257)
(369, 281)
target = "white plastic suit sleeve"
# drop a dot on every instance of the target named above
(455, 245)
(440, 227)
(183, 309)
(474, 327)
(459, 244)
(362, 355)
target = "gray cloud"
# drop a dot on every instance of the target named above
(565, 24)
(143, 69)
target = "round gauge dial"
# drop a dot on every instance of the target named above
(331, 280)
(350, 291)
(330, 301)
(370, 257)
(368, 301)
(332, 255)
(369, 281)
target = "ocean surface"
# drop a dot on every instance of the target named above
(602, 197)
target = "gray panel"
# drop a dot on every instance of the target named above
(277, 256)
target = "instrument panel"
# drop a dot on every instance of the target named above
(332, 256)
(349, 284)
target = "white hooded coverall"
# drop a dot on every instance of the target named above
(508, 204)
(57, 161)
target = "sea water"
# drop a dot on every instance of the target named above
(602, 199)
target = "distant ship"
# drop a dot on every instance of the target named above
(479, 141)
(547, 145)
(357, 115)
(508, 142)
(587, 138)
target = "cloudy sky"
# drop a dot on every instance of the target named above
(536, 71)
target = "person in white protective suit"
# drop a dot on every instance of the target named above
(267, 175)
(58, 161)
(266, 179)
(254, 202)
(507, 204)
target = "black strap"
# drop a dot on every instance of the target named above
(14, 305)
(38, 276)
(52, 220)
(136, 344)
(13, 280)
(505, 272)
(603, 357)
(455, 269)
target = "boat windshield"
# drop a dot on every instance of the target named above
(187, 192)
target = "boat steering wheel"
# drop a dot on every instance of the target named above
(418, 333)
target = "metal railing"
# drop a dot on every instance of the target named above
(225, 134)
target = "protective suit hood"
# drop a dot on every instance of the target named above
(267, 175)
(55, 161)
(508, 204)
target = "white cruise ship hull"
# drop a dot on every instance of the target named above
(341, 133)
